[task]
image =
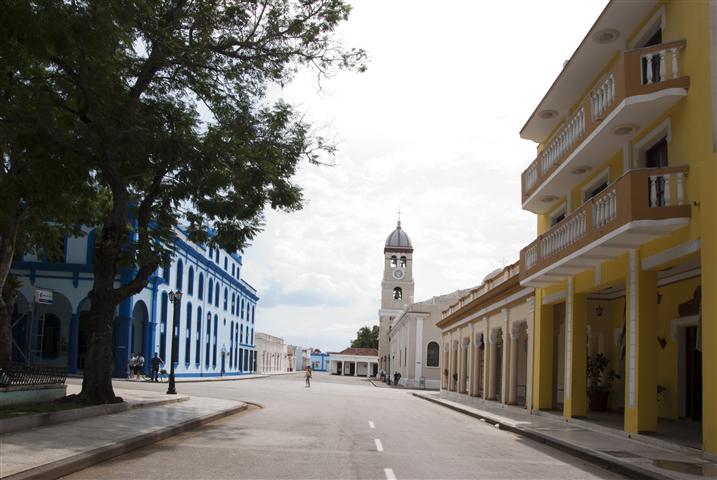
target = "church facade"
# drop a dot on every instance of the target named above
(409, 341)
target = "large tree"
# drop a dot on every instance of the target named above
(135, 75)
(366, 337)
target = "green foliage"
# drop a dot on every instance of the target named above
(366, 337)
(598, 380)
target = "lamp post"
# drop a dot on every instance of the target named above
(175, 298)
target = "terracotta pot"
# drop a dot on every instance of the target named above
(597, 401)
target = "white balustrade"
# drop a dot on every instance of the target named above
(530, 177)
(567, 137)
(661, 189)
(602, 97)
(605, 209)
(565, 234)
(659, 58)
(531, 257)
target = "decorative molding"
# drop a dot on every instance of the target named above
(682, 322)
(658, 259)
(554, 298)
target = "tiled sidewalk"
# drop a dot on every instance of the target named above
(617, 452)
(56, 450)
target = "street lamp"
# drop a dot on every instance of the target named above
(175, 298)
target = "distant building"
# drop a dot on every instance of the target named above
(319, 361)
(270, 353)
(356, 362)
(214, 330)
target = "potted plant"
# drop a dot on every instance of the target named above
(599, 382)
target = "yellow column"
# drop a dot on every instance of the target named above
(640, 348)
(513, 366)
(486, 361)
(575, 401)
(471, 364)
(451, 370)
(542, 354)
(493, 361)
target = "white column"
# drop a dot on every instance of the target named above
(419, 349)
(507, 344)
(513, 381)
(493, 356)
(529, 375)
(471, 361)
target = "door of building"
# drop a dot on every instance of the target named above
(693, 371)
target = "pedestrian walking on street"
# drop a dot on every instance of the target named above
(154, 364)
(308, 377)
(132, 364)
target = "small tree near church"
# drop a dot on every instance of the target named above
(366, 337)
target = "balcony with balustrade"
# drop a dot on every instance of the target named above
(639, 86)
(640, 206)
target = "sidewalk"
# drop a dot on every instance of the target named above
(616, 452)
(56, 450)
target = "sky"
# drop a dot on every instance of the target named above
(432, 127)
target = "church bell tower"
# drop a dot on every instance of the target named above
(396, 287)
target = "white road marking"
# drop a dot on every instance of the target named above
(389, 474)
(379, 447)
(370, 424)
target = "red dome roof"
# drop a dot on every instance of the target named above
(398, 240)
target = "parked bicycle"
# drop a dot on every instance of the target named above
(162, 376)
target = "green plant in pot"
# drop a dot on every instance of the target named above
(599, 382)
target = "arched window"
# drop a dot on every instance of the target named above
(90, 257)
(216, 294)
(200, 286)
(180, 275)
(208, 339)
(226, 267)
(397, 293)
(216, 255)
(241, 331)
(163, 327)
(234, 298)
(402, 262)
(210, 291)
(211, 252)
(190, 281)
(252, 314)
(432, 354)
(233, 269)
(236, 350)
(251, 337)
(214, 353)
(198, 344)
(165, 273)
(226, 297)
(242, 308)
(188, 336)
(51, 336)
(393, 261)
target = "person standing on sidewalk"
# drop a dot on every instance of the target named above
(154, 364)
(308, 377)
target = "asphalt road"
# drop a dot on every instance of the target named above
(340, 428)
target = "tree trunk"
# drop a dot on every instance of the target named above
(7, 302)
(97, 379)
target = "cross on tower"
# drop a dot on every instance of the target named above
(399, 215)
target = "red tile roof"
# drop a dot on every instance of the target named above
(368, 352)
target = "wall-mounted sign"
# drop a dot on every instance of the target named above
(43, 296)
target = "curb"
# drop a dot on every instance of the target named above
(629, 470)
(81, 461)
(9, 425)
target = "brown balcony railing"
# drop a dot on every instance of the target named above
(636, 72)
(644, 194)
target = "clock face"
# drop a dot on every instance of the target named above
(398, 274)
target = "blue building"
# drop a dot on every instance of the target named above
(319, 361)
(214, 324)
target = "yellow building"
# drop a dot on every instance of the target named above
(625, 260)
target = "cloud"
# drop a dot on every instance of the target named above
(432, 127)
